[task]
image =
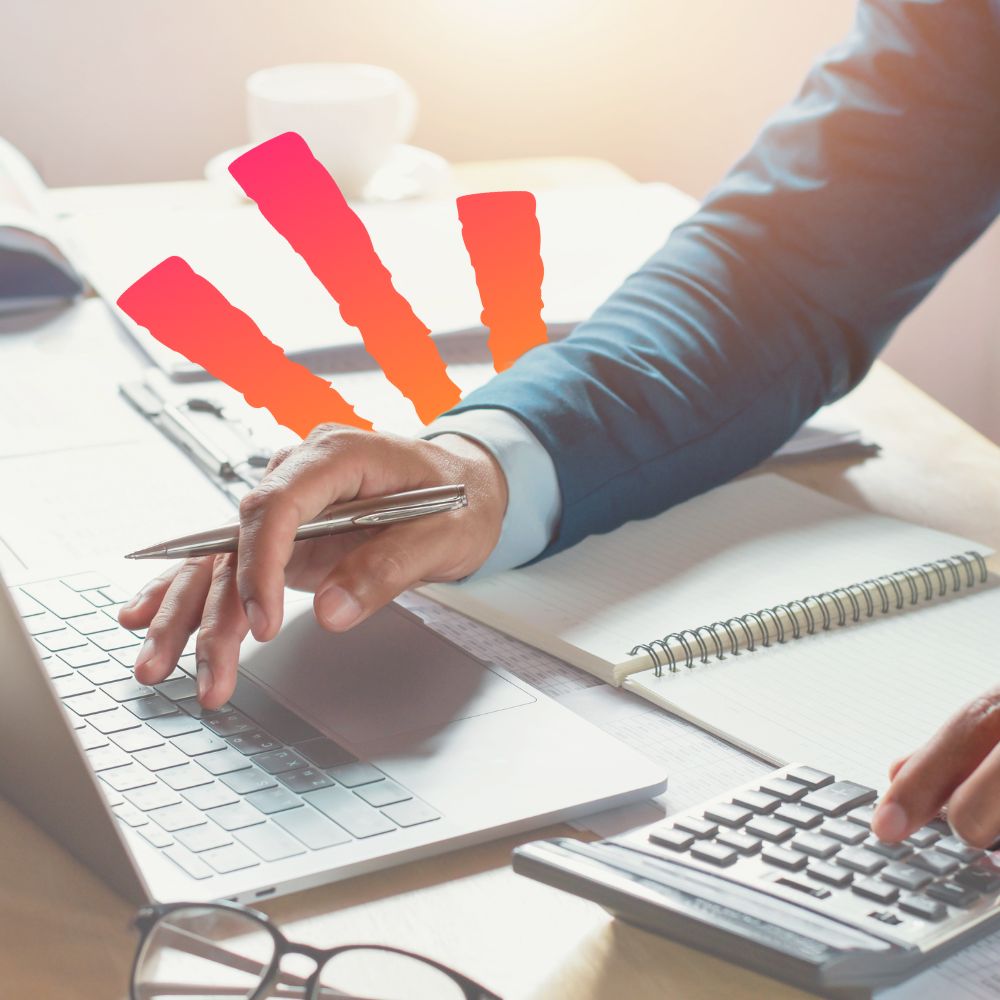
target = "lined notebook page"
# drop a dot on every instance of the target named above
(850, 700)
(747, 545)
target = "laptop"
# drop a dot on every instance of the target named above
(338, 754)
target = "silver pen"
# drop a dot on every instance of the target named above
(353, 515)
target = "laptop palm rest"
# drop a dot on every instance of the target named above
(388, 677)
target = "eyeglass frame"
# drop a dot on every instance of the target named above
(148, 917)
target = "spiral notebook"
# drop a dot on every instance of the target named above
(688, 585)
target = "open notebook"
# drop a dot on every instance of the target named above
(687, 585)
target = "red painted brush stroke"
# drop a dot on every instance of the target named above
(300, 199)
(502, 237)
(189, 314)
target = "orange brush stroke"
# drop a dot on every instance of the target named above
(300, 199)
(502, 237)
(189, 314)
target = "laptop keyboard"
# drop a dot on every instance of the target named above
(215, 791)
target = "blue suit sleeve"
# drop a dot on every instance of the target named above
(776, 296)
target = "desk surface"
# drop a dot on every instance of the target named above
(65, 934)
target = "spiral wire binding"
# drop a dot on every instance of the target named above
(836, 607)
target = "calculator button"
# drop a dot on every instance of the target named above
(830, 874)
(770, 829)
(957, 849)
(845, 832)
(787, 791)
(872, 888)
(729, 815)
(859, 859)
(759, 802)
(840, 797)
(982, 878)
(906, 876)
(924, 837)
(701, 828)
(935, 862)
(894, 852)
(919, 906)
(740, 842)
(717, 854)
(863, 816)
(809, 776)
(952, 893)
(799, 815)
(668, 836)
(790, 860)
(816, 845)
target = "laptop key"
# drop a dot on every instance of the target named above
(353, 775)
(93, 703)
(150, 708)
(43, 623)
(107, 757)
(305, 779)
(58, 598)
(223, 761)
(414, 812)
(123, 779)
(140, 738)
(188, 862)
(254, 742)
(178, 688)
(156, 836)
(314, 830)
(85, 581)
(92, 623)
(113, 722)
(127, 690)
(279, 760)
(195, 744)
(83, 656)
(117, 638)
(152, 797)
(209, 796)
(65, 638)
(203, 838)
(160, 758)
(71, 684)
(96, 599)
(172, 726)
(105, 673)
(233, 858)
(90, 738)
(186, 776)
(345, 808)
(176, 817)
(386, 793)
(250, 780)
(272, 800)
(27, 607)
(55, 668)
(324, 753)
(126, 657)
(196, 710)
(269, 842)
(130, 815)
(229, 724)
(236, 816)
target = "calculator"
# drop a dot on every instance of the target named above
(785, 876)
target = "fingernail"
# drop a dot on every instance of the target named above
(257, 619)
(890, 818)
(147, 653)
(204, 675)
(339, 608)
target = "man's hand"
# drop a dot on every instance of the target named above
(958, 768)
(352, 575)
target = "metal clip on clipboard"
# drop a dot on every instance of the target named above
(222, 447)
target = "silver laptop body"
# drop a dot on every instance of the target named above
(338, 755)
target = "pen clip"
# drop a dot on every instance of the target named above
(381, 517)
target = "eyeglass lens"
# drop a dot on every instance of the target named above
(203, 953)
(384, 975)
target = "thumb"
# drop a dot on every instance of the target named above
(374, 573)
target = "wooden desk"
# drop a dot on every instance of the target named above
(65, 935)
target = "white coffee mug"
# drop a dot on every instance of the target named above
(350, 114)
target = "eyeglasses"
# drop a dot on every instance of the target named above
(203, 951)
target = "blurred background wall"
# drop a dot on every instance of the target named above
(131, 90)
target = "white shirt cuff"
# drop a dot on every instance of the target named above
(533, 499)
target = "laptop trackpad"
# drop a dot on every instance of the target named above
(388, 676)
